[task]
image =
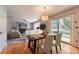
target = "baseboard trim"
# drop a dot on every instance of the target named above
(69, 44)
(3, 50)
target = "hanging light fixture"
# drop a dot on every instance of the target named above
(44, 17)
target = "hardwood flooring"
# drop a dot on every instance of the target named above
(21, 48)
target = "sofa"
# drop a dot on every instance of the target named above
(13, 35)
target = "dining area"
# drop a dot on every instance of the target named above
(44, 42)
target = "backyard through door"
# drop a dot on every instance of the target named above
(62, 25)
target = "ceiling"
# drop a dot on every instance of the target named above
(32, 13)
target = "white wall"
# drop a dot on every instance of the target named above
(36, 25)
(3, 28)
(9, 23)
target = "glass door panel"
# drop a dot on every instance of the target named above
(62, 25)
(64, 28)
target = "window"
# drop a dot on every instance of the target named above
(54, 24)
(62, 25)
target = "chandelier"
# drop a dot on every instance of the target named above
(44, 17)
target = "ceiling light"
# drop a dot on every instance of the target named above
(44, 17)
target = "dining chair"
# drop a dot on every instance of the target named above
(50, 42)
(47, 46)
(57, 42)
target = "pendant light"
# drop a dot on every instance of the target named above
(44, 17)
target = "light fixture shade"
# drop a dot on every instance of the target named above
(44, 18)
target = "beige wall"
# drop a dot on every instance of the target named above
(74, 12)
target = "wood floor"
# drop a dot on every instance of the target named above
(21, 48)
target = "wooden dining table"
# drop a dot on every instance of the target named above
(34, 39)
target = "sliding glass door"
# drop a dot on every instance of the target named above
(62, 25)
(64, 28)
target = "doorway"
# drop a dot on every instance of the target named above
(65, 28)
(62, 25)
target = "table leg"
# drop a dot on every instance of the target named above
(34, 47)
(29, 43)
(54, 37)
